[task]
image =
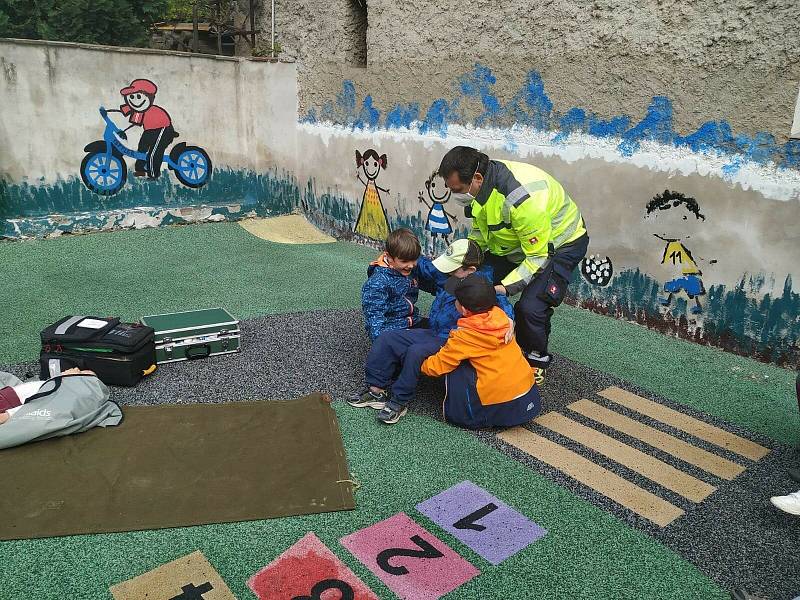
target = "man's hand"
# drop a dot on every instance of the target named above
(500, 289)
(510, 332)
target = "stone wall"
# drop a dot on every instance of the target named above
(736, 61)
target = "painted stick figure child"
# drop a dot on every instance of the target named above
(156, 122)
(372, 221)
(674, 225)
(438, 222)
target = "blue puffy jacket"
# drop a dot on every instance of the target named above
(444, 315)
(388, 299)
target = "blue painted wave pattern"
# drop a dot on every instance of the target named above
(530, 106)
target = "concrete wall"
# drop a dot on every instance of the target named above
(621, 101)
(242, 112)
(731, 60)
(746, 242)
(747, 186)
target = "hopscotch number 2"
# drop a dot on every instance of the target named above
(426, 550)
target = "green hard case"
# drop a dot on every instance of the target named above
(194, 334)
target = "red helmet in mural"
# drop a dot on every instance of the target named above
(145, 86)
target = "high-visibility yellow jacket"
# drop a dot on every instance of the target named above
(519, 211)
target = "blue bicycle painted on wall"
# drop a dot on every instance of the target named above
(103, 169)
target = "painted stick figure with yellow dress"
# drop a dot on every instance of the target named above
(371, 221)
(676, 256)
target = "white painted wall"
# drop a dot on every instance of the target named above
(752, 217)
(242, 111)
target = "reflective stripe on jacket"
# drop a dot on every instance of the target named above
(519, 211)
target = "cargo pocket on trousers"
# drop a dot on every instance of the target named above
(554, 289)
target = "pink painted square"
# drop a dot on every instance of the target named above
(412, 562)
(307, 570)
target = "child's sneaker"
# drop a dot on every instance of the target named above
(367, 397)
(391, 413)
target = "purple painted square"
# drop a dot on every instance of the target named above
(484, 523)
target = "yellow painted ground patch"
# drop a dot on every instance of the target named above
(183, 578)
(287, 229)
(611, 485)
(665, 475)
(721, 467)
(678, 420)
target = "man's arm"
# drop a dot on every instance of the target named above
(475, 233)
(534, 233)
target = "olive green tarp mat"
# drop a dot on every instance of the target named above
(179, 465)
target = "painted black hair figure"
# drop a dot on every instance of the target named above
(438, 221)
(371, 221)
(676, 215)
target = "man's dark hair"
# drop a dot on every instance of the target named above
(464, 161)
(402, 244)
(669, 200)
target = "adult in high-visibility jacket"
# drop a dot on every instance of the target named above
(531, 231)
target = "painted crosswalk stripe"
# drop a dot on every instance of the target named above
(678, 420)
(716, 465)
(611, 485)
(662, 473)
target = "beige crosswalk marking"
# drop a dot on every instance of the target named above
(611, 485)
(678, 420)
(693, 455)
(662, 473)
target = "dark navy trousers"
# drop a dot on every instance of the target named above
(547, 289)
(462, 405)
(396, 357)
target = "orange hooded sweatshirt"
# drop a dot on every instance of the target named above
(503, 373)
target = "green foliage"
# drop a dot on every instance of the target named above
(208, 11)
(181, 10)
(112, 22)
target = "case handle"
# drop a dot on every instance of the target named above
(204, 351)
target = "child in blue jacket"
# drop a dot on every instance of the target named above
(389, 296)
(396, 356)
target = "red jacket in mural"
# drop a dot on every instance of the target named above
(154, 117)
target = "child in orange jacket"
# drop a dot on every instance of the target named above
(488, 382)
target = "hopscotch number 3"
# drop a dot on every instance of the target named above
(345, 590)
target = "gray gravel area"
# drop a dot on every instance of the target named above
(736, 536)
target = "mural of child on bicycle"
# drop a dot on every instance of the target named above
(103, 169)
(158, 133)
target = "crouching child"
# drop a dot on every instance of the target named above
(488, 382)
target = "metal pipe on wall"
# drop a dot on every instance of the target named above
(272, 13)
(252, 25)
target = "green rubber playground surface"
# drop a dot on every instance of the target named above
(587, 553)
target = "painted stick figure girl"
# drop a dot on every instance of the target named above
(372, 221)
(438, 222)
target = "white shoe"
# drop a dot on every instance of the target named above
(789, 504)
